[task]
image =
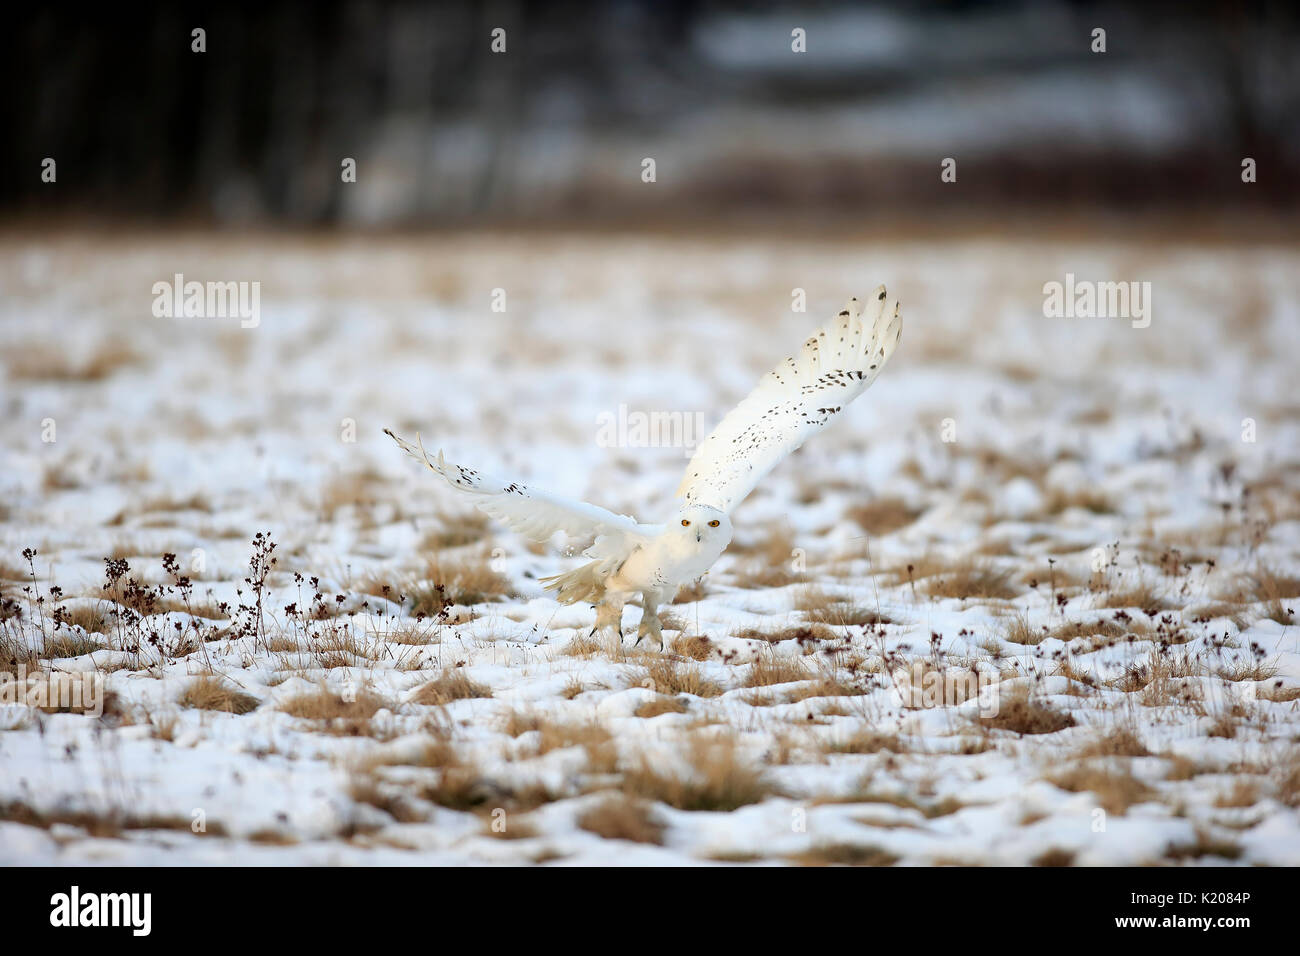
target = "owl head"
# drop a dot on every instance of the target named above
(703, 524)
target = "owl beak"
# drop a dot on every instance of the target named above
(698, 536)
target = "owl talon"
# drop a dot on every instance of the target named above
(650, 626)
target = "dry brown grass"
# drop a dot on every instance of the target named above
(1262, 585)
(359, 490)
(1119, 741)
(583, 645)
(517, 722)
(772, 669)
(70, 644)
(1057, 501)
(1022, 714)
(1115, 787)
(864, 740)
(665, 675)
(661, 705)
(1160, 676)
(695, 646)
(16, 656)
(456, 530)
(1143, 595)
(1224, 724)
(923, 683)
(506, 827)
(1100, 631)
(1252, 669)
(466, 581)
(769, 562)
(758, 573)
(594, 739)
(844, 854)
(1275, 610)
(460, 784)
(826, 684)
(338, 647)
(102, 824)
(91, 618)
(882, 516)
(1278, 693)
(212, 693)
(690, 593)
(622, 817)
(1288, 779)
(1055, 856)
(803, 633)
(1018, 631)
(345, 717)
(452, 684)
(818, 607)
(1244, 793)
(171, 502)
(1205, 845)
(42, 362)
(717, 778)
(962, 578)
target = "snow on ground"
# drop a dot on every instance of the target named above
(1031, 600)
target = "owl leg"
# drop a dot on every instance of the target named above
(609, 613)
(650, 619)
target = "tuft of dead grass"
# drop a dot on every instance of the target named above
(42, 362)
(1261, 585)
(1022, 714)
(623, 817)
(1054, 856)
(1120, 741)
(456, 530)
(972, 577)
(1143, 595)
(818, 607)
(212, 693)
(1205, 845)
(772, 669)
(453, 684)
(661, 705)
(717, 778)
(443, 582)
(348, 716)
(864, 740)
(668, 676)
(695, 646)
(882, 516)
(90, 618)
(1018, 631)
(844, 854)
(1115, 787)
(803, 633)
(70, 644)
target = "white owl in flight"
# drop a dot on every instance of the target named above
(791, 403)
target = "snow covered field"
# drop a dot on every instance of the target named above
(1031, 601)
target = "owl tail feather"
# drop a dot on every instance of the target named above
(585, 584)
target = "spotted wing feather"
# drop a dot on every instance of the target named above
(532, 512)
(793, 402)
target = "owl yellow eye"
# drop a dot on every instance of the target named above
(714, 523)
(685, 523)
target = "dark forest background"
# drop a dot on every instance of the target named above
(443, 130)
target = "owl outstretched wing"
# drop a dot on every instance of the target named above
(531, 512)
(793, 402)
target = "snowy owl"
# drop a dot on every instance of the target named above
(791, 403)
